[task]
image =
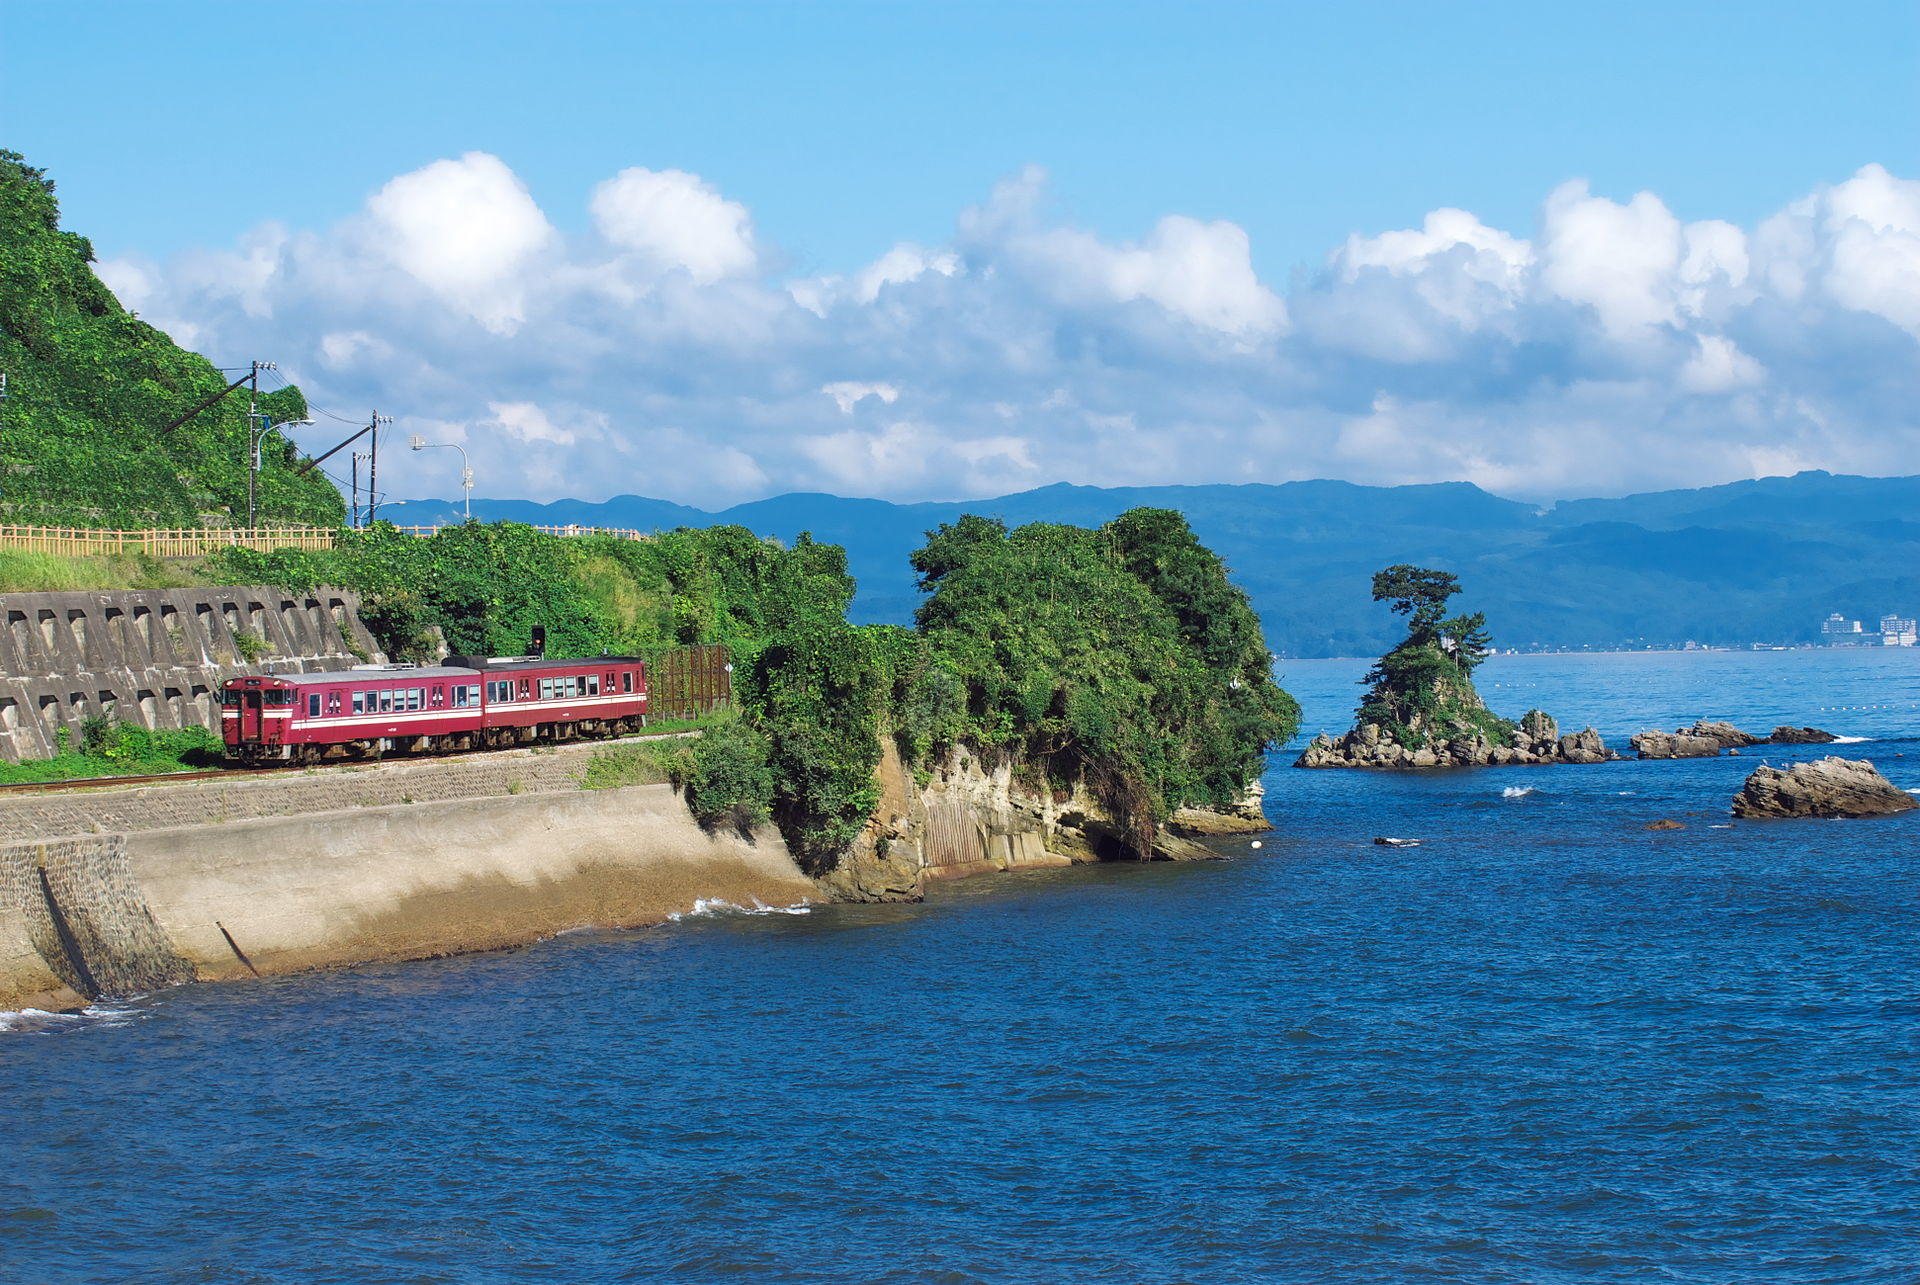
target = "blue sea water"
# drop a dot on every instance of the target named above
(1547, 1045)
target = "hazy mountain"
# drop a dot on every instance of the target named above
(1749, 561)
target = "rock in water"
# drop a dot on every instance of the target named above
(1729, 736)
(1665, 823)
(1801, 736)
(1674, 745)
(1829, 787)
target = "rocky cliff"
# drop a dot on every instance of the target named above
(971, 816)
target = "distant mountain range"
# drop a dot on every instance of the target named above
(1764, 560)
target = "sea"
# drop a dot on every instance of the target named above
(1546, 1044)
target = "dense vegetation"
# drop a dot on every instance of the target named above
(1121, 656)
(89, 387)
(1422, 690)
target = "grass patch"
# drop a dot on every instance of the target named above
(119, 749)
(29, 571)
(633, 763)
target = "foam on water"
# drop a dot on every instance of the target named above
(39, 1021)
(1849, 740)
(1516, 791)
(719, 907)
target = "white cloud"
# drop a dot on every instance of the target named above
(672, 220)
(1612, 347)
(465, 229)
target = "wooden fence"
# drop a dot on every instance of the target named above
(188, 542)
(688, 682)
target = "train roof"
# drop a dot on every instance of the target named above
(517, 663)
(373, 674)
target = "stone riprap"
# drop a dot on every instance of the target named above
(156, 657)
(1828, 787)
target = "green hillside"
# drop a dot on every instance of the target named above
(89, 387)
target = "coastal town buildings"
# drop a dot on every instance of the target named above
(1893, 631)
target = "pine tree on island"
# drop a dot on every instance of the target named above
(1421, 708)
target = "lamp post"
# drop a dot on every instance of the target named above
(257, 430)
(420, 443)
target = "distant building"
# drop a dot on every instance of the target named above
(1837, 631)
(1898, 631)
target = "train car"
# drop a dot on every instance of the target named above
(533, 698)
(467, 703)
(361, 712)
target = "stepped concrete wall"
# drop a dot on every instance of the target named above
(368, 877)
(156, 657)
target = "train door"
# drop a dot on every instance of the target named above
(252, 720)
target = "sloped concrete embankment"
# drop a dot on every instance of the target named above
(156, 657)
(122, 913)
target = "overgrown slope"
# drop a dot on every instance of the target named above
(89, 386)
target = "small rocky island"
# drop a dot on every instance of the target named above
(1421, 708)
(1706, 738)
(1828, 787)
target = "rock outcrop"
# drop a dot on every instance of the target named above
(1801, 736)
(1828, 787)
(1537, 739)
(1729, 736)
(1675, 745)
(972, 817)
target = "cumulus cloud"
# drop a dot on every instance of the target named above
(1612, 346)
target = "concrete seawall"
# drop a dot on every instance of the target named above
(121, 913)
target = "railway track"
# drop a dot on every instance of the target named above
(246, 773)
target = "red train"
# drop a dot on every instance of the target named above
(470, 702)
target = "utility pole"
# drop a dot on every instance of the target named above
(254, 434)
(373, 463)
(357, 457)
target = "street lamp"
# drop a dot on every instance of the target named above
(420, 443)
(257, 430)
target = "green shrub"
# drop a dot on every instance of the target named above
(726, 774)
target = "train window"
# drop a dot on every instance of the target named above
(313, 705)
(359, 702)
(386, 702)
(526, 686)
(626, 681)
(472, 691)
(500, 691)
(546, 689)
(593, 684)
(279, 696)
(416, 697)
(437, 697)
(333, 702)
(230, 697)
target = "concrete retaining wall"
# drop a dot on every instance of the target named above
(155, 657)
(117, 914)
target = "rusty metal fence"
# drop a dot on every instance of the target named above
(688, 682)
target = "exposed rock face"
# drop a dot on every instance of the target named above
(1729, 736)
(976, 818)
(1536, 740)
(1675, 745)
(1801, 736)
(1828, 787)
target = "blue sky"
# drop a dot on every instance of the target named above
(846, 127)
(177, 132)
